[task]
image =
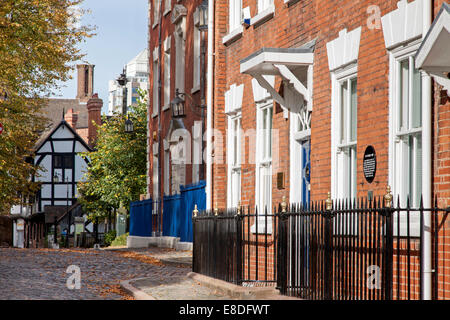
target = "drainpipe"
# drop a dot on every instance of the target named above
(209, 105)
(426, 161)
(159, 219)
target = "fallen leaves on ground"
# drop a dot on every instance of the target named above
(115, 289)
(141, 258)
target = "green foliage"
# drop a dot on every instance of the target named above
(109, 237)
(120, 241)
(117, 170)
(38, 45)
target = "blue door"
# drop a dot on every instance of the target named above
(306, 170)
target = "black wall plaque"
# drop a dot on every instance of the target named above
(370, 164)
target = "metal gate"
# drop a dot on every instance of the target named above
(341, 250)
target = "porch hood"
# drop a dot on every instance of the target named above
(294, 65)
(433, 56)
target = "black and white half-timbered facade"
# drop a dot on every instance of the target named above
(61, 166)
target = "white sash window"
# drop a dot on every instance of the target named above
(346, 148)
(235, 15)
(234, 160)
(264, 4)
(264, 162)
(156, 12)
(167, 74)
(408, 130)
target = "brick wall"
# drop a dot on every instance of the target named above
(167, 29)
(293, 26)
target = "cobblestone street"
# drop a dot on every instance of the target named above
(41, 273)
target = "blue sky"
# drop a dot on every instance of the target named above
(121, 35)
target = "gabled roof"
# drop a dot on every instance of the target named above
(46, 136)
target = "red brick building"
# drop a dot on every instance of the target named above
(354, 42)
(331, 79)
(176, 48)
(305, 90)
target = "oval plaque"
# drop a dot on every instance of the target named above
(370, 164)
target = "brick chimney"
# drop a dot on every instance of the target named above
(94, 107)
(85, 81)
(71, 118)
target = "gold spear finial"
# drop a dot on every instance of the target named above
(329, 202)
(195, 212)
(388, 197)
(283, 204)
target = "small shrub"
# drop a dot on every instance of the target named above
(120, 241)
(109, 237)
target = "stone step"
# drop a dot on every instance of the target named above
(161, 242)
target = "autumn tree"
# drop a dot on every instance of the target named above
(38, 47)
(117, 171)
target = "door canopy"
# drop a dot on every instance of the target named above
(293, 65)
(433, 56)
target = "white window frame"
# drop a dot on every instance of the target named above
(234, 15)
(264, 144)
(155, 177)
(167, 6)
(156, 12)
(167, 78)
(399, 148)
(180, 47)
(155, 81)
(155, 89)
(196, 56)
(197, 158)
(234, 135)
(166, 169)
(264, 5)
(344, 156)
(266, 10)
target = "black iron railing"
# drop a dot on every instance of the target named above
(340, 250)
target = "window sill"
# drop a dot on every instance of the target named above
(155, 25)
(233, 35)
(195, 89)
(154, 115)
(263, 16)
(233, 112)
(290, 2)
(166, 107)
(166, 12)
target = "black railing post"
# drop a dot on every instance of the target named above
(55, 240)
(239, 260)
(194, 243)
(282, 261)
(96, 230)
(389, 250)
(216, 246)
(328, 272)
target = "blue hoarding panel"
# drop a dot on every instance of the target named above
(141, 218)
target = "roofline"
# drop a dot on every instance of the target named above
(63, 122)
